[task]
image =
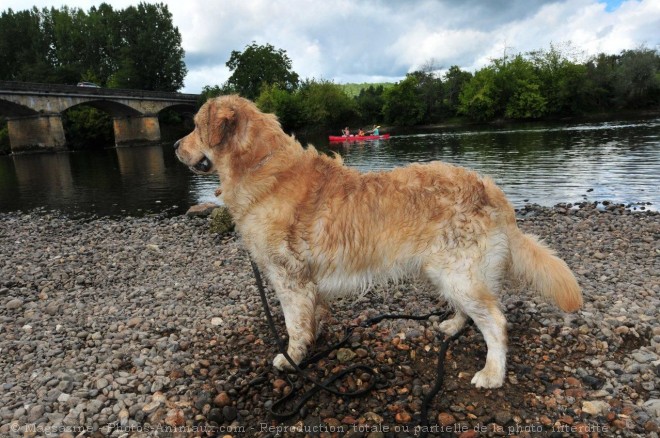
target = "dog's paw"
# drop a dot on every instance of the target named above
(452, 326)
(487, 379)
(281, 363)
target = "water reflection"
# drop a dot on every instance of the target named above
(141, 162)
(52, 174)
(107, 182)
(618, 161)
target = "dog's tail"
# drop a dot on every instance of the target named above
(537, 265)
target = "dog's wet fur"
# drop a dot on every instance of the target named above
(317, 228)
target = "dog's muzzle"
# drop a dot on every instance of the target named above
(202, 166)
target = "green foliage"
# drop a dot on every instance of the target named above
(454, 81)
(526, 101)
(430, 92)
(370, 104)
(152, 58)
(23, 46)
(325, 105)
(480, 97)
(354, 90)
(403, 105)
(563, 82)
(316, 105)
(257, 66)
(285, 104)
(137, 47)
(87, 127)
(636, 83)
(209, 92)
(521, 89)
(549, 83)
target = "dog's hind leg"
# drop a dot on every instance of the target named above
(471, 297)
(299, 304)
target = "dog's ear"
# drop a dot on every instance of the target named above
(221, 122)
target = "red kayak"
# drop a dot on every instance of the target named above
(334, 138)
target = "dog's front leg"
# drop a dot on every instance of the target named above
(299, 299)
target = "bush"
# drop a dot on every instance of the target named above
(403, 103)
(284, 104)
(87, 127)
(325, 105)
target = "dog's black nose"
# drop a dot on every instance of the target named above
(177, 144)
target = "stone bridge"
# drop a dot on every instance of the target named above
(34, 112)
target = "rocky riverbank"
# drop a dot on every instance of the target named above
(153, 326)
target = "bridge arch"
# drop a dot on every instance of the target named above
(180, 108)
(13, 109)
(115, 109)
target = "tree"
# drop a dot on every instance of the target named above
(637, 81)
(479, 99)
(257, 66)
(23, 47)
(429, 91)
(562, 80)
(508, 87)
(403, 105)
(454, 81)
(370, 103)
(66, 30)
(103, 44)
(522, 88)
(285, 104)
(151, 57)
(209, 92)
(137, 47)
(324, 104)
(601, 71)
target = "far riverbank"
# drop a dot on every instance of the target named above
(466, 123)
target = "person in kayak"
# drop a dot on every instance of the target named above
(346, 132)
(360, 133)
(375, 130)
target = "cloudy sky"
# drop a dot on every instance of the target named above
(381, 40)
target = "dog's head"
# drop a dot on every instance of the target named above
(231, 137)
(215, 123)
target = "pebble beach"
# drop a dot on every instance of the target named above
(153, 326)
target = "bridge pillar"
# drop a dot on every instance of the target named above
(42, 132)
(136, 129)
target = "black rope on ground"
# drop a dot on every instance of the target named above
(324, 385)
(439, 380)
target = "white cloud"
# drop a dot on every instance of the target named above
(380, 40)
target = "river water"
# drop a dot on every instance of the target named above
(543, 164)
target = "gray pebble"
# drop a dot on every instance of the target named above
(14, 304)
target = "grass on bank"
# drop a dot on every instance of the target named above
(353, 90)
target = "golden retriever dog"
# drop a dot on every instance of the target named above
(317, 228)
